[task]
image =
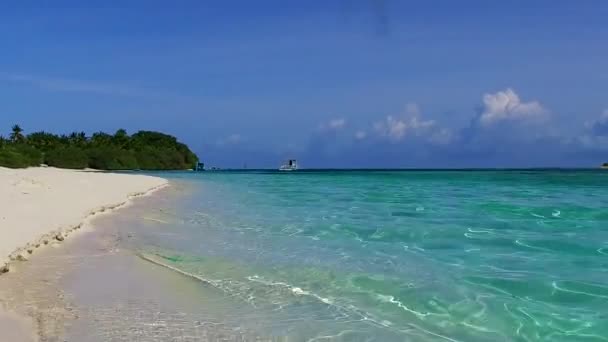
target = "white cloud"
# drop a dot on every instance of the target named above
(506, 105)
(333, 124)
(419, 124)
(361, 135)
(398, 128)
(336, 123)
(391, 127)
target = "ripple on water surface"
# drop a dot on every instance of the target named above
(456, 256)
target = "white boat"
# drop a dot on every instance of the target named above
(290, 165)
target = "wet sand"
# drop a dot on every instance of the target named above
(94, 287)
(16, 328)
(40, 207)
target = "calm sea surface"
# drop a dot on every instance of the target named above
(393, 255)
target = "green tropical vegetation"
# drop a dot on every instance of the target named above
(144, 150)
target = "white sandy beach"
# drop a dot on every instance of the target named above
(38, 205)
(43, 205)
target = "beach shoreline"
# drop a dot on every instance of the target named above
(43, 206)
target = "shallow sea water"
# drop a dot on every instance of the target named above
(354, 256)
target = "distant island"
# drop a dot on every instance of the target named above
(605, 166)
(144, 150)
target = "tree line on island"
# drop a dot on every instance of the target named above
(144, 150)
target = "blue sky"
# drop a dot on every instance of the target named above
(370, 83)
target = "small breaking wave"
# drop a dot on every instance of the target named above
(523, 244)
(151, 259)
(482, 231)
(294, 289)
(393, 300)
(361, 315)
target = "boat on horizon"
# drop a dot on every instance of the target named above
(290, 165)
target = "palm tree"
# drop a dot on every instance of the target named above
(101, 139)
(17, 134)
(64, 140)
(120, 138)
(81, 138)
(42, 140)
(73, 137)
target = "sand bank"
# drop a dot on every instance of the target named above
(41, 205)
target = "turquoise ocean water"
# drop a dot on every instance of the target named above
(395, 255)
